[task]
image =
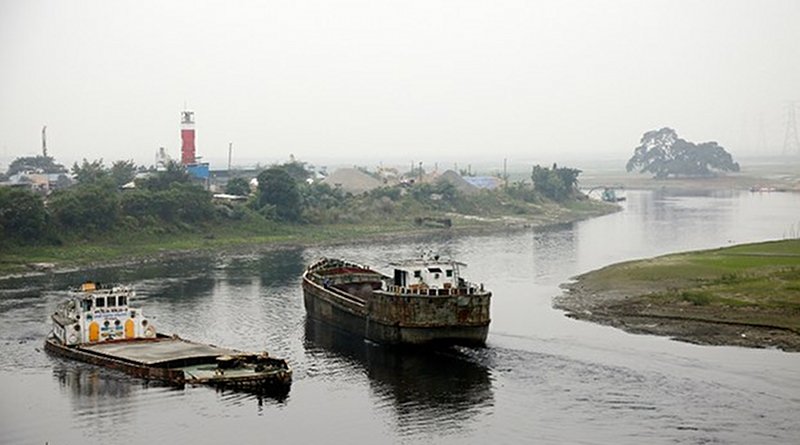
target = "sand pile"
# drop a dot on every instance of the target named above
(352, 180)
(458, 182)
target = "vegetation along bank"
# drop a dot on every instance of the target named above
(99, 215)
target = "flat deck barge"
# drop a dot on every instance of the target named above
(97, 326)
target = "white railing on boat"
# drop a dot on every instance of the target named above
(432, 291)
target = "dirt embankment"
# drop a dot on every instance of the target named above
(625, 309)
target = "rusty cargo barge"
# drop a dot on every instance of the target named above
(96, 325)
(425, 301)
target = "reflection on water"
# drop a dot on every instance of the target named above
(188, 289)
(434, 388)
(281, 267)
(85, 383)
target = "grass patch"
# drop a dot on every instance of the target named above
(754, 283)
(697, 298)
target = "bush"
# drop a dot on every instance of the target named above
(22, 215)
(277, 189)
(86, 209)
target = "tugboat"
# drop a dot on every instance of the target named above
(610, 195)
(424, 301)
(96, 325)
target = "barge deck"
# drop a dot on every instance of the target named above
(97, 326)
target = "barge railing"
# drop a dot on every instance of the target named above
(433, 291)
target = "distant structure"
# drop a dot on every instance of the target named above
(791, 144)
(189, 158)
(187, 138)
(162, 159)
(44, 141)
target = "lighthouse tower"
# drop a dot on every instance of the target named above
(187, 138)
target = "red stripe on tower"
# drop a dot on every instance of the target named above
(187, 138)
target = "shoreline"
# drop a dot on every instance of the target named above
(486, 227)
(628, 309)
(745, 181)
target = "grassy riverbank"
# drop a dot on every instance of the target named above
(130, 246)
(745, 295)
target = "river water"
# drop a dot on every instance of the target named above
(543, 378)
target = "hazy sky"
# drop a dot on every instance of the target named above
(380, 80)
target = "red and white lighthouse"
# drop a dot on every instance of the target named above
(187, 138)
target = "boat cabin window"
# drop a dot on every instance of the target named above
(449, 273)
(434, 270)
(417, 274)
(112, 301)
(122, 300)
(86, 305)
(400, 277)
(100, 302)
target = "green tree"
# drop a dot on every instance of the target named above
(568, 177)
(191, 202)
(558, 183)
(297, 170)
(277, 188)
(237, 186)
(22, 216)
(181, 202)
(664, 154)
(45, 164)
(89, 172)
(86, 208)
(162, 180)
(123, 172)
(323, 203)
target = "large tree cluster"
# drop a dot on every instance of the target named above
(664, 154)
(96, 205)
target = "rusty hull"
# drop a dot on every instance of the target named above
(356, 303)
(278, 377)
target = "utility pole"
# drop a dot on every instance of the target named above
(230, 150)
(505, 172)
(791, 144)
(44, 141)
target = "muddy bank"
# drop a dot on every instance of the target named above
(626, 310)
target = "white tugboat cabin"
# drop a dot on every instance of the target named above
(98, 313)
(426, 273)
(96, 325)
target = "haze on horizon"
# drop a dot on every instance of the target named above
(375, 80)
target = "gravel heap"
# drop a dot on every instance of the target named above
(352, 180)
(460, 184)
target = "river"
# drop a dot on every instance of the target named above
(543, 378)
